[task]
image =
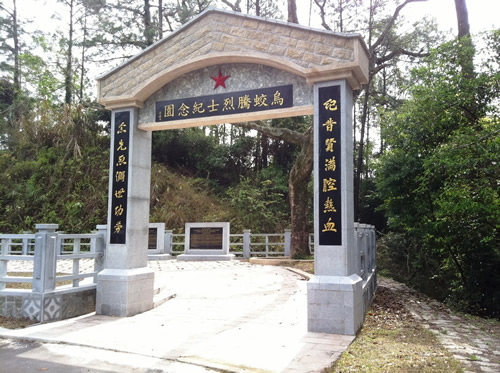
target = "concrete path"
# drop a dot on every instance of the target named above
(226, 316)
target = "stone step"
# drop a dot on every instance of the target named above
(161, 295)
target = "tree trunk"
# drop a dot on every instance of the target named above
(265, 151)
(160, 19)
(297, 180)
(17, 67)
(359, 163)
(467, 54)
(148, 25)
(292, 11)
(341, 16)
(462, 18)
(68, 74)
(257, 155)
(82, 72)
(299, 197)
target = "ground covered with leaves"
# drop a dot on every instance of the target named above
(10, 323)
(391, 340)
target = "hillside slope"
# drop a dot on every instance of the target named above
(177, 199)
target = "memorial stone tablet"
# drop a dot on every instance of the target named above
(152, 238)
(206, 239)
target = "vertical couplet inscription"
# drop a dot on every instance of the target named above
(120, 177)
(329, 161)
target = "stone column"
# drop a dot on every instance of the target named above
(335, 301)
(246, 244)
(288, 241)
(44, 267)
(167, 246)
(125, 285)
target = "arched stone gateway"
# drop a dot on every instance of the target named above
(225, 67)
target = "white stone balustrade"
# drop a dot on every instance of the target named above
(50, 257)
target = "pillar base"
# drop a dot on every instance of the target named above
(124, 292)
(160, 257)
(335, 304)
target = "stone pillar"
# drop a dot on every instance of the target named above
(335, 296)
(100, 247)
(288, 241)
(167, 246)
(44, 267)
(125, 285)
(246, 244)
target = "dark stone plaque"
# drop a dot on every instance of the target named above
(225, 103)
(152, 238)
(120, 177)
(329, 166)
(206, 239)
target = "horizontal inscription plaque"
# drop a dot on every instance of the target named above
(225, 103)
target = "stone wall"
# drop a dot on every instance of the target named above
(47, 307)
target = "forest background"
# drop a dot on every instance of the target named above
(426, 137)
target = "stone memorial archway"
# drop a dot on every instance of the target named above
(225, 67)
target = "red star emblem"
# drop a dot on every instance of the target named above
(220, 80)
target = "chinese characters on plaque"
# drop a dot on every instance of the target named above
(225, 104)
(120, 177)
(329, 172)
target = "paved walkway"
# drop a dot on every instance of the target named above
(226, 316)
(477, 349)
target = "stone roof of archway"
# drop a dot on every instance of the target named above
(218, 36)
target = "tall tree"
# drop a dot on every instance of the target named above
(385, 50)
(298, 179)
(466, 60)
(292, 11)
(68, 72)
(10, 44)
(462, 18)
(76, 41)
(438, 179)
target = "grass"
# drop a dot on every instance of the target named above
(392, 341)
(10, 323)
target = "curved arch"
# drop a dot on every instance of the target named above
(164, 77)
(157, 81)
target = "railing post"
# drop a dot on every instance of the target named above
(3, 263)
(310, 242)
(357, 248)
(167, 248)
(100, 246)
(267, 246)
(25, 245)
(288, 241)
(246, 243)
(373, 247)
(44, 273)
